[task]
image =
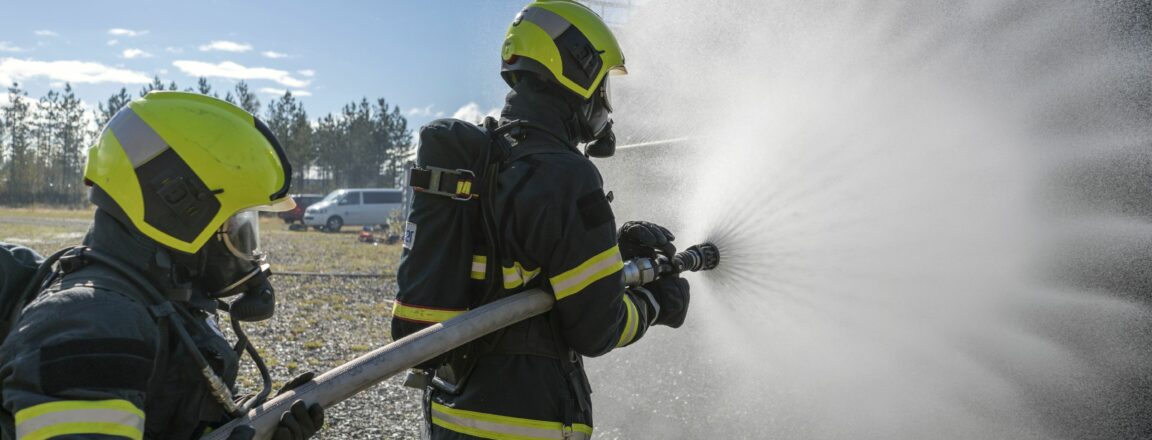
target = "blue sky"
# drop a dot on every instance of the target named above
(429, 57)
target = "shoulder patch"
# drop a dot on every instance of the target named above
(595, 209)
(106, 363)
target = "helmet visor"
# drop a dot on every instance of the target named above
(606, 94)
(241, 235)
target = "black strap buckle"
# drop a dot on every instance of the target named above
(456, 184)
(73, 260)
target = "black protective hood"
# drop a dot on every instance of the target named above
(168, 270)
(547, 107)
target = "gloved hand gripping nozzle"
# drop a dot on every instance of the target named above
(639, 271)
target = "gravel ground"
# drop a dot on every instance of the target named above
(322, 322)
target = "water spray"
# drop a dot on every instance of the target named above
(345, 381)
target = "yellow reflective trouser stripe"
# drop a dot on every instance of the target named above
(517, 276)
(629, 331)
(105, 417)
(479, 267)
(596, 268)
(494, 426)
(429, 315)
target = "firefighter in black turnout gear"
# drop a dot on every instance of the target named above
(556, 231)
(121, 339)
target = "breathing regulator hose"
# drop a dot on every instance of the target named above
(640, 271)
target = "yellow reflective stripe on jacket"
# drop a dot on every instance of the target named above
(629, 330)
(596, 268)
(479, 267)
(430, 315)
(517, 276)
(494, 426)
(115, 417)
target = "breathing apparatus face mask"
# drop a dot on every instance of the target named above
(236, 266)
(597, 117)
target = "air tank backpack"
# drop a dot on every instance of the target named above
(444, 264)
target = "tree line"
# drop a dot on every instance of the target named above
(43, 141)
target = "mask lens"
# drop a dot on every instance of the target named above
(598, 112)
(242, 235)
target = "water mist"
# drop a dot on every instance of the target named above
(916, 205)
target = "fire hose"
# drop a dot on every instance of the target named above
(344, 381)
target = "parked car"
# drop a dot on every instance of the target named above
(354, 206)
(303, 201)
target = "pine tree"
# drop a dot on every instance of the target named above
(289, 122)
(204, 88)
(155, 85)
(74, 137)
(18, 125)
(246, 99)
(46, 149)
(114, 104)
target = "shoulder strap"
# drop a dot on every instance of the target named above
(44, 275)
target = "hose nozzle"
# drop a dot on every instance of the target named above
(703, 256)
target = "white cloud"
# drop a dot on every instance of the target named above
(226, 46)
(45, 33)
(75, 72)
(271, 54)
(471, 112)
(173, 49)
(426, 111)
(280, 92)
(307, 72)
(121, 32)
(113, 42)
(9, 47)
(135, 53)
(228, 69)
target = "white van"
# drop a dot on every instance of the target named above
(354, 206)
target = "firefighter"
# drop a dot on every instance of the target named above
(124, 342)
(556, 231)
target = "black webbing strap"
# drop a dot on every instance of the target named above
(457, 184)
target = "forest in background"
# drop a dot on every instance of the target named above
(43, 141)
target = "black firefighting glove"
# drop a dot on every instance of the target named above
(671, 295)
(299, 422)
(644, 239)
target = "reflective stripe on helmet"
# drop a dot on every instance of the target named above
(140, 142)
(423, 314)
(117, 417)
(588, 272)
(485, 425)
(549, 21)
